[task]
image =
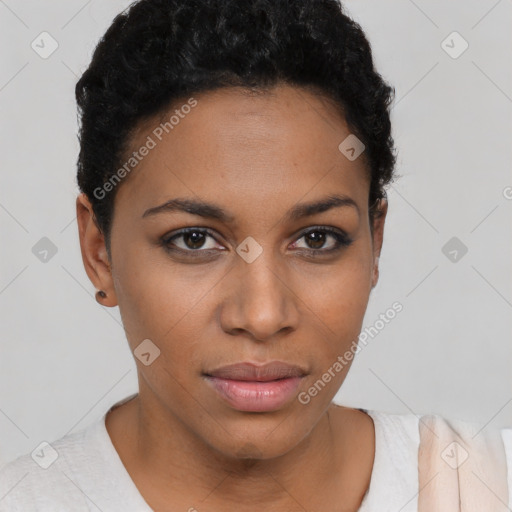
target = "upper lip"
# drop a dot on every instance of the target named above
(261, 373)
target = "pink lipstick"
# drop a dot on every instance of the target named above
(256, 388)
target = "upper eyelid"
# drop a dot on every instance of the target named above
(330, 230)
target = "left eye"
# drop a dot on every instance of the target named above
(316, 239)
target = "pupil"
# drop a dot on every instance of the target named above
(320, 239)
(197, 239)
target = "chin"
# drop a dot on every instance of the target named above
(258, 444)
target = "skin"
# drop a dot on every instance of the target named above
(255, 156)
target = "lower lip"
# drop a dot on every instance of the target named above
(256, 396)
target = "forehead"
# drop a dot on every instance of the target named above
(244, 146)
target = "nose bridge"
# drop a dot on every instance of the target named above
(263, 302)
(259, 279)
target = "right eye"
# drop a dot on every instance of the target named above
(192, 240)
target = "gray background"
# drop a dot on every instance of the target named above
(64, 358)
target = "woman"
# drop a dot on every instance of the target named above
(233, 164)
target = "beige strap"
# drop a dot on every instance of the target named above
(462, 468)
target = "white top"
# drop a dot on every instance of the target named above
(84, 472)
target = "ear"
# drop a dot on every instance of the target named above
(378, 237)
(94, 251)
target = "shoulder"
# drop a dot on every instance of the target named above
(464, 461)
(47, 478)
(398, 434)
(396, 446)
(437, 459)
(412, 429)
(465, 438)
(394, 479)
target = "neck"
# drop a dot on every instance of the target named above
(182, 468)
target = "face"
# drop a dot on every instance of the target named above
(244, 268)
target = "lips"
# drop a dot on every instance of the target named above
(274, 370)
(256, 388)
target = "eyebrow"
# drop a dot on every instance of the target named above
(212, 211)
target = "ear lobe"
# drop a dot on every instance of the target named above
(375, 276)
(378, 238)
(94, 252)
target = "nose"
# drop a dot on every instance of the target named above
(261, 302)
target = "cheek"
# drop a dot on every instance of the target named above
(159, 303)
(342, 291)
(337, 304)
(158, 299)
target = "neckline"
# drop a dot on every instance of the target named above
(376, 444)
(132, 499)
(131, 494)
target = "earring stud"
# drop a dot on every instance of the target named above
(101, 294)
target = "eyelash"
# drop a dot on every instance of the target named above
(342, 241)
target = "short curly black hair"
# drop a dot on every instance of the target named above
(157, 52)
